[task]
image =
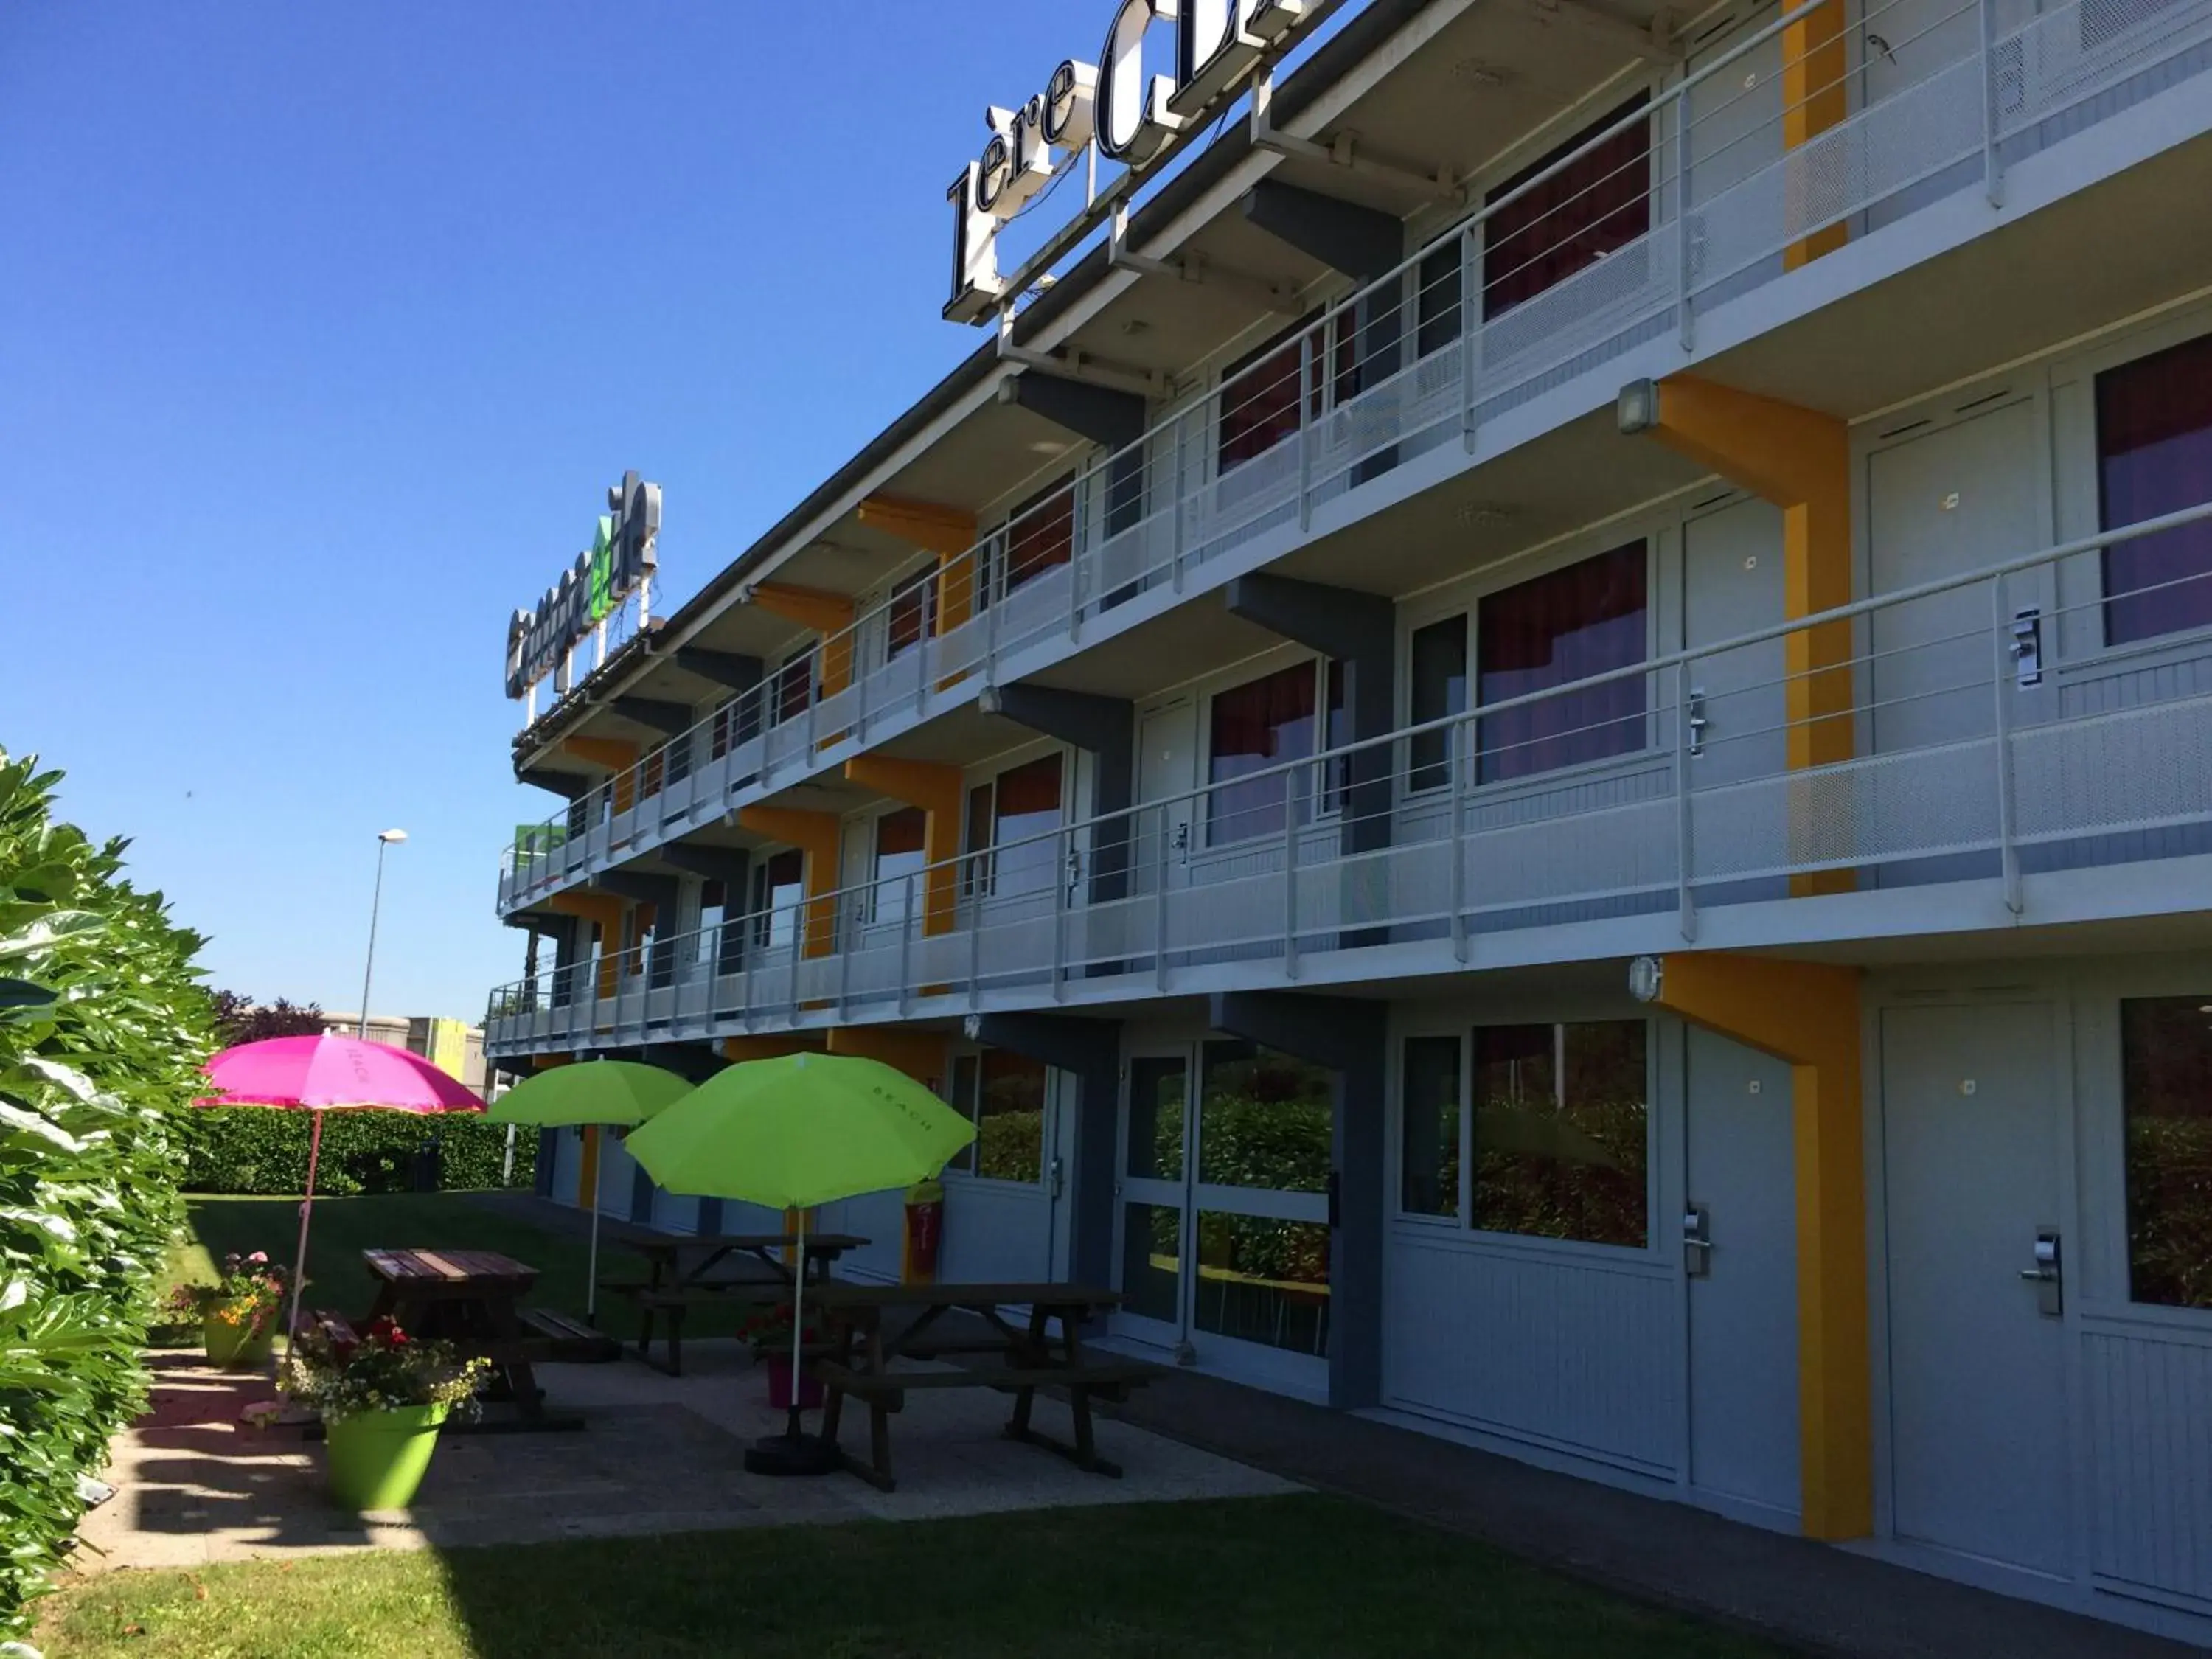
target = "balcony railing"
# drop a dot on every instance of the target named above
(1953, 742)
(1673, 207)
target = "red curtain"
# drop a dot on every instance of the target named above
(1573, 219)
(1259, 398)
(1041, 535)
(1552, 631)
(911, 609)
(2155, 456)
(1259, 724)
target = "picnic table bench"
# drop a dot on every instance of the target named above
(686, 1270)
(469, 1298)
(1028, 1359)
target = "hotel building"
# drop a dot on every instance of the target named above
(1537, 746)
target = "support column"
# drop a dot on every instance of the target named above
(1800, 460)
(920, 1054)
(937, 790)
(1346, 1035)
(829, 615)
(1814, 68)
(1807, 1014)
(1089, 1050)
(1107, 728)
(618, 756)
(815, 834)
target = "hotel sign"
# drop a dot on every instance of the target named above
(623, 555)
(1113, 108)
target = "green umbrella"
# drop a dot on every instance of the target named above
(619, 1092)
(790, 1133)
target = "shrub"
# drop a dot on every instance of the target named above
(102, 1030)
(255, 1149)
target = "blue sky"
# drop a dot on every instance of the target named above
(323, 329)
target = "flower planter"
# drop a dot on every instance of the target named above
(377, 1459)
(237, 1347)
(778, 1386)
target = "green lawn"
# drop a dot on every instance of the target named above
(344, 1227)
(1285, 1576)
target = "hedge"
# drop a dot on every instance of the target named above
(250, 1149)
(102, 1030)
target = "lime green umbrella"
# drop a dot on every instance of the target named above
(621, 1093)
(790, 1133)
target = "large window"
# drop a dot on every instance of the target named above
(900, 858)
(1007, 820)
(1003, 1095)
(1554, 630)
(1040, 534)
(1255, 726)
(1438, 688)
(1428, 1162)
(1573, 219)
(2165, 1066)
(779, 883)
(1561, 1132)
(1259, 398)
(2154, 457)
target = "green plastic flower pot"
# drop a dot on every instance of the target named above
(377, 1459)
(236, 1347)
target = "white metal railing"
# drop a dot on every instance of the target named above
(1939, 733)
(1689, 199)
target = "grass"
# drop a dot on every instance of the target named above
(1299, 1576)
(344, 1227)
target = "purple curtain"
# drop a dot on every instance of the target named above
(2155, 456)
(1261, 723)
(1573, 219)
(1555, 630)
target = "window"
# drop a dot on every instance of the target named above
(1554, 630)
(901, 843)
(1436, 300)
(792, 686)
(1259, 398)
(913, 608)
(1573, 219)
(1438, 688)
(1026, 805)
(1040, 534)
(1428, 1178)
(1265, 1119)
(2155, 456)
(779, 884)
(1257, 724)
(1562, 1131)
(2165, 1089)
(1003, 1094)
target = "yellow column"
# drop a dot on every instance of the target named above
(605, 912)
(920, 1054)
(1814, 67)
(815, 834)
(940, 791)
(615, 754)
(1807, 1014)
(587, 1174)
(1799, 459)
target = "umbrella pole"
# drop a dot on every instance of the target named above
(306, 1212)
(797, 1326)
(592, 1260)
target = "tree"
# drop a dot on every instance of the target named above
(241, 1019)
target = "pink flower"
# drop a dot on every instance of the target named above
(258, 1257)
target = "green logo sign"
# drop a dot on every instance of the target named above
(603, 569)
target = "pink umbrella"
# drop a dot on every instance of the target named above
(329, 1073)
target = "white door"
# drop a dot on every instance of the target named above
(1160, 845)
(1736, 130)
(1971, 1162)
(1732, 583)
(1004, 1216)
(1153, 1220)
(1741, 1261)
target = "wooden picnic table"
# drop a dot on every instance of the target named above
(469, 1298)
(686, 1268)
(1018, 1356)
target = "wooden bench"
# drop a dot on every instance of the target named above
(885, 1392)
(569, 1338)
(673, 1304)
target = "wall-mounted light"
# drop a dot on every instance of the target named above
(1646, 974)
(1638, 410)
(972, 1027)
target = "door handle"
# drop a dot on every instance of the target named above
(1696, 1241)
(1053, 1179)
(1698, 721)
(1335, 1207)
(2027, 646)
(2048, 1274)
(1183, 840)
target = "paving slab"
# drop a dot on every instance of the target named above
(656, 1454)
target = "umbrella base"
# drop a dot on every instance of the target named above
(794, 1454)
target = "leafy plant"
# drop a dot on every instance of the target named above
(102, 1030)
(252, 1149)
(384, 1368)
(247, 1296)
(768, 1330)
(241, 1019)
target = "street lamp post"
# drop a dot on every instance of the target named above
(385, 839)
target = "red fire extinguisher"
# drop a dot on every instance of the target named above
(925, 1228)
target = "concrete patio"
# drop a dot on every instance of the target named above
(656, 1454)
